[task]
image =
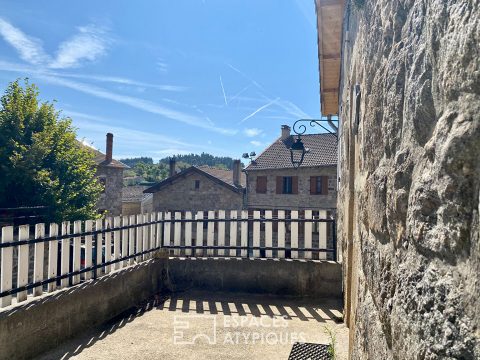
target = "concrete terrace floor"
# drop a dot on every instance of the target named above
(195, 325)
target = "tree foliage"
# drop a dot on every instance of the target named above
(41, 162)
(131, 162)
(145, 168)
(203, 159)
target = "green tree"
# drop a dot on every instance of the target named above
(41, 162)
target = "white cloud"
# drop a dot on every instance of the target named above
(29, 48)
(76, 114)
(124, 81)
(127, 136)
(252, 132)
(162, 66)
(89, 44)
(138, 103)
(256, 143)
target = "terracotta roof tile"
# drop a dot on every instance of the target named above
(323, 152)
(224, 175)
(134, 193)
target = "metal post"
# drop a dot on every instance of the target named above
(95, 262)
(249, 227)
(334, 236)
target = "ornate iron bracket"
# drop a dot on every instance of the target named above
(299, 128)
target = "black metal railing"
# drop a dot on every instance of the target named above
(98, 236)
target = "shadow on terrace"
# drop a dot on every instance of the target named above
(153, 323)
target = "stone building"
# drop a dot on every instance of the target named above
(135, 201)
(404, 79)
(110, 174)
(199, 188)
(273, 182)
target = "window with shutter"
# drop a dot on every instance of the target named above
(319, 185)
(313, 185)
(261, 184)
(294, 184)
(279, 185)
(324, 185)
(287, 185)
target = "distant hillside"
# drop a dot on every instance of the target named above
(144, 168)
(202, 159)
(134, 161)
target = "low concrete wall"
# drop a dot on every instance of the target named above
(263, 276)
(42, 323)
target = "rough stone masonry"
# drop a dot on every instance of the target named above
(410, 178)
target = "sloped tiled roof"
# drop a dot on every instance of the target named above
(224, 175)
(217, 175)
(133, 193)
(99, 158)
(322, 152)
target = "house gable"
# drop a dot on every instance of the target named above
(182, 176)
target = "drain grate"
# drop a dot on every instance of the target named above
(309, 351)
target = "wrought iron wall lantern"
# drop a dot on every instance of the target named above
(298, 149)
(297, 152)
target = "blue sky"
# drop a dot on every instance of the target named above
(168, 77)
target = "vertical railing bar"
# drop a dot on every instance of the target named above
(256, 233)
(334, 238)
(116, 242)
(322, 235)
(131, 240)
(52, 256)
(38, 260)
(210, 232)
(6, 266)
(177, 232)
(23, 260)
(65, 254)
(199, 233)
(77, 250)
(188, 233)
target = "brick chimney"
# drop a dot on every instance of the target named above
(109, 150)
(236, 172)
(172, 167)
(285, 132)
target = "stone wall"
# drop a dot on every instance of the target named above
(408, 202)
(131, 207)
(40, 324)
(182, 195)
(302, 200)
(111, 199)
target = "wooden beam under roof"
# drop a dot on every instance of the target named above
(329, 28)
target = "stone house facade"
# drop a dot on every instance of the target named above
(110, 174)
(273, 182)
(407, 94)
(135, 201)
(200, 189)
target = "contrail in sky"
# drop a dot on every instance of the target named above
(223, 90)
(259, 109)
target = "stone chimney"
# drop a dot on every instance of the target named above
(236, 172)
(109, 150)
(172, 167)
(285, 131)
